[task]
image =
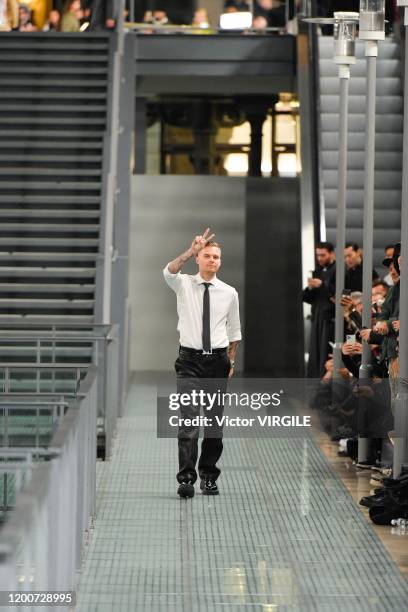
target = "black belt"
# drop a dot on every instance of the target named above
(200, 353)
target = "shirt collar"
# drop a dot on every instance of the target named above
(199, 280)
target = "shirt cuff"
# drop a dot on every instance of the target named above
(235, 338)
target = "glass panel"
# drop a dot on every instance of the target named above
(236, 164)
(287, 164)
(285, 129)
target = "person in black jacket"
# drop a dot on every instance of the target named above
(354, 267)
(320, 294)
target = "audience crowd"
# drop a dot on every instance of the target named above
(351, 406)
(79, 15)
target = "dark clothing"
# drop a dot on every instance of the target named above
(101, 11)
(353, 278)
(322, 330)
(193, 372)
(390, 313)
(275, 17)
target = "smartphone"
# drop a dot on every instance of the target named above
(350, 338)
(346, 292)
(310, 274)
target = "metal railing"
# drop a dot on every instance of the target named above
(54, 511)
(39, 372)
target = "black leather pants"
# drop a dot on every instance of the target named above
(193, 372)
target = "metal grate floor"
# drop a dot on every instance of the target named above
(284, 534)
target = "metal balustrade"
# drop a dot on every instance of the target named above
(16, 465)
(55, 509)
(39, 366)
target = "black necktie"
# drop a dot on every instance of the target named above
(206, 319)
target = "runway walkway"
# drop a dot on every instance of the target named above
(284, 534)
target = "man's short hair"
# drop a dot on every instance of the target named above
(353, 245)
(213, 243)
(389, 246)
(325, 245)
(377, 282)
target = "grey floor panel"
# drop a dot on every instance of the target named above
(283, 535)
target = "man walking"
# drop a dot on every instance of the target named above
(210, 331)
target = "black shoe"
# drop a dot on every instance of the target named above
(209, 486)
(391, 496)
(186, 488)
(383, 515)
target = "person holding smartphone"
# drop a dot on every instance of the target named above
(319, 293)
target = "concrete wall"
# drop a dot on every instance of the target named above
(273, 317)
(166, 213)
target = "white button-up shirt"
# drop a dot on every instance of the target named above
(225, 325)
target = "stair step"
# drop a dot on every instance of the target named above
(386, 219)
(51, 158)
(44, 172)
(49, 272)
(387, 49)
(83, 71)
(59, 121)
(356, 142)
(384, 87)
(390, 197)
(59, 185)
(385, 68)
(356, 104)
(28, 350)
(34, 133)
(355, 178)
(53, 108)
(32, 288)
(27, 213)
(40, 57)
(47, 318)
(12, 242)
(43, 81)
(51, 302)
(45, 259)
(48, 199)
(56, 40)
(384, 124)
(57, 95)
(44, 228)
(384, 160)
(52, 144)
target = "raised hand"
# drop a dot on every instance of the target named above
(199, 242)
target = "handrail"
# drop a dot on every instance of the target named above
(104, 355)
(111, 184)
(62, 487)
(15, 336)
(191, 30)
(52, 326)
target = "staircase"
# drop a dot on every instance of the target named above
(388, 158)
(53, 114)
